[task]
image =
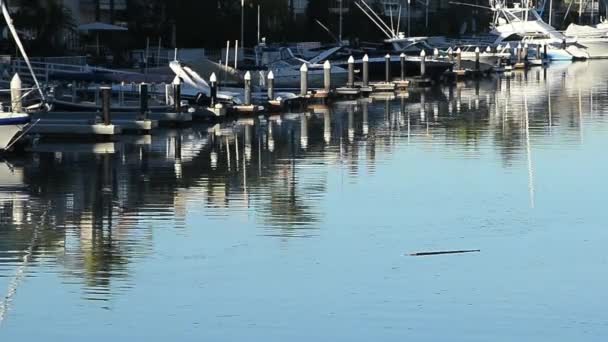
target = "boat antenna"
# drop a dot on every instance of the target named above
(371, 10)
(11, 27)
(387, 33)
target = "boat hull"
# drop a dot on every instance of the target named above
(10, 127)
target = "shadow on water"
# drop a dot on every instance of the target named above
(89, 215)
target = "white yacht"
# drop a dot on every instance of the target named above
(522, 24)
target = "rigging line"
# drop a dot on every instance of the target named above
(11, 27)
(376, 15)
(374, 21)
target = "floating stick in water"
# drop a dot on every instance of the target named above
(445, 252)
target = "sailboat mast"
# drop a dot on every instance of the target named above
(11, 27)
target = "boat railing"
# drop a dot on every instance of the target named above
(44, 70)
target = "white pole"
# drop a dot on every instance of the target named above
(160, 42)
(340, 34)
(227, 53)
(409, 32)
(258, 24)
(236, 54)
(550, 11)
(242, 22)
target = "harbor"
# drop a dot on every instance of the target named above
(260, 188)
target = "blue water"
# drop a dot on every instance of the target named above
(299, 227)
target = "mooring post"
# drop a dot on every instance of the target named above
(213, 89)
(525, 52)
(402, 61)
(422, 63)
(304, 80)
(270, 86)
(177, 94)
(387, 68)
(247, 88)
(366, 70)
(351, 72)
(488, 49)
(143, 101)
(435, 53)
(458, 58)
(16, 93)
(545, 51)
(477, 58)
(106, 97)
(518, 53)
(451, 55)
(327, 76)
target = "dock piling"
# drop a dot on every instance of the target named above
(177, 94)
(327, 76)
(477, 67)
(270, 86)
(365, 70)
(525, 52)
(106, 103)
(143, 101)
(213, 89)
(247, 88)
(402, 60)
(518, 53)
(422, 63)
(458, 58)
(304, 80)
(16, 101)
(351, 72)
(387, 67)
(451, 55)
(435, 53)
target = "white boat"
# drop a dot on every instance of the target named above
(11, 125)
(522, 24)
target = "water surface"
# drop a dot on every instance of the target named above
(298, 227)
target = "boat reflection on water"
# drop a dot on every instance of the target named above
(91, 212)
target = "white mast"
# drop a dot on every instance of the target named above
(11, 27)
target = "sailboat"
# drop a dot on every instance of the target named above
(13, 119)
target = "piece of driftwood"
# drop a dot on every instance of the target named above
(445, 252)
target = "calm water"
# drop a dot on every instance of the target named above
(298, 228)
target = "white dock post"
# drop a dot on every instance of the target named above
(366, 70)
(458, 58)
(270, 86)
(477, 65)
(213, 89)
(327, 76)
(247, 88)
(387, 68)
(16, 93)
(304, 80)
(177, 94)
(422, 63)
(435, 53)
(403, 70)
(351, 72)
